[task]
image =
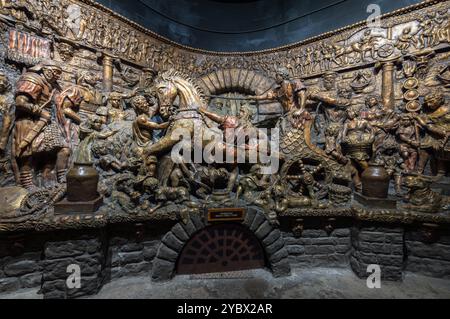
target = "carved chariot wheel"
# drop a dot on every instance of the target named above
(293, 171)
(221, 248)
(385, 50)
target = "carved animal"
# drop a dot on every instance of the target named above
(420, 197)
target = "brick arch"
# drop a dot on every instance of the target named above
(174, 241)
(241, 81)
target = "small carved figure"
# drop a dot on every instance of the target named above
(6, 111)
(253, 184)
(367, 43)
(333, 104)
(436, 123)
(408, 141)
(426, 28)
(116, 112)
(356, 139)
(93, 98)
(382, 120)
(290, 93)
(147, 179)
(90, 131)
(332, 148)
(143, 126)
(420, 197)
(405, 40)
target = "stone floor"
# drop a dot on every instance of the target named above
(304, 283)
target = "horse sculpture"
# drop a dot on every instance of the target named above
(170, 85)
(180, 101)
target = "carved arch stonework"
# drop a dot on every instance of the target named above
(241, 81)
(270, 238)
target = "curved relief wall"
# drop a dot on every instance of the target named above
(361, 112)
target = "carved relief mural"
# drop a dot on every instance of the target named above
(362, 104)
(91, 105)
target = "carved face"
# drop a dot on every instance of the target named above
(371, 102)
(151, 169)
(91, 78)
(115, 101)
(245, 114)
(433, 101)
(279, 78)
(351, 114)
(140, 104)
(329, 81)
(3, 83)
(405, 122)
(150, 166)
(345, 93)
(100, 148)
(97, 123)
(167, 92)
(52, 74)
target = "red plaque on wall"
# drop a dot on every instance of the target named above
(27, 48)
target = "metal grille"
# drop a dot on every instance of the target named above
(221, 248)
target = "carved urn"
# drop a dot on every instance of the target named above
(375, 181)
(82, 181)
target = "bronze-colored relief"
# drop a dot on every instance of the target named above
(359, 111)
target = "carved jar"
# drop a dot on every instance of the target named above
(375, 181)
(82, 181)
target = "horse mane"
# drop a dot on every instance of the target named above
(171, 74)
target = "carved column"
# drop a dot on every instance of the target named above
(108, 72)
(387, 83)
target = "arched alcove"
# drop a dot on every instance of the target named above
(220, 248)
(268, 237)
(243, 81)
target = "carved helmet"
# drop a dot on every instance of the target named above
(46, 64)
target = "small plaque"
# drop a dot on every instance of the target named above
(226, 214)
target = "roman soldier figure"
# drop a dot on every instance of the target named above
(36, 134)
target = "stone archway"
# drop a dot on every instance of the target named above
(240, 81)
(174, 241)
(221, 247)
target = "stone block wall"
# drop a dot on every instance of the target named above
(40, 259)
(86, 252)
(131, 250)
(21, 261)
(430, 258)
(380, 245)
(316, 247)
(20, 272)
(131, 258)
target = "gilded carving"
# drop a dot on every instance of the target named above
(99, 90)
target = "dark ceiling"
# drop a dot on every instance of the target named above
(245, 25)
